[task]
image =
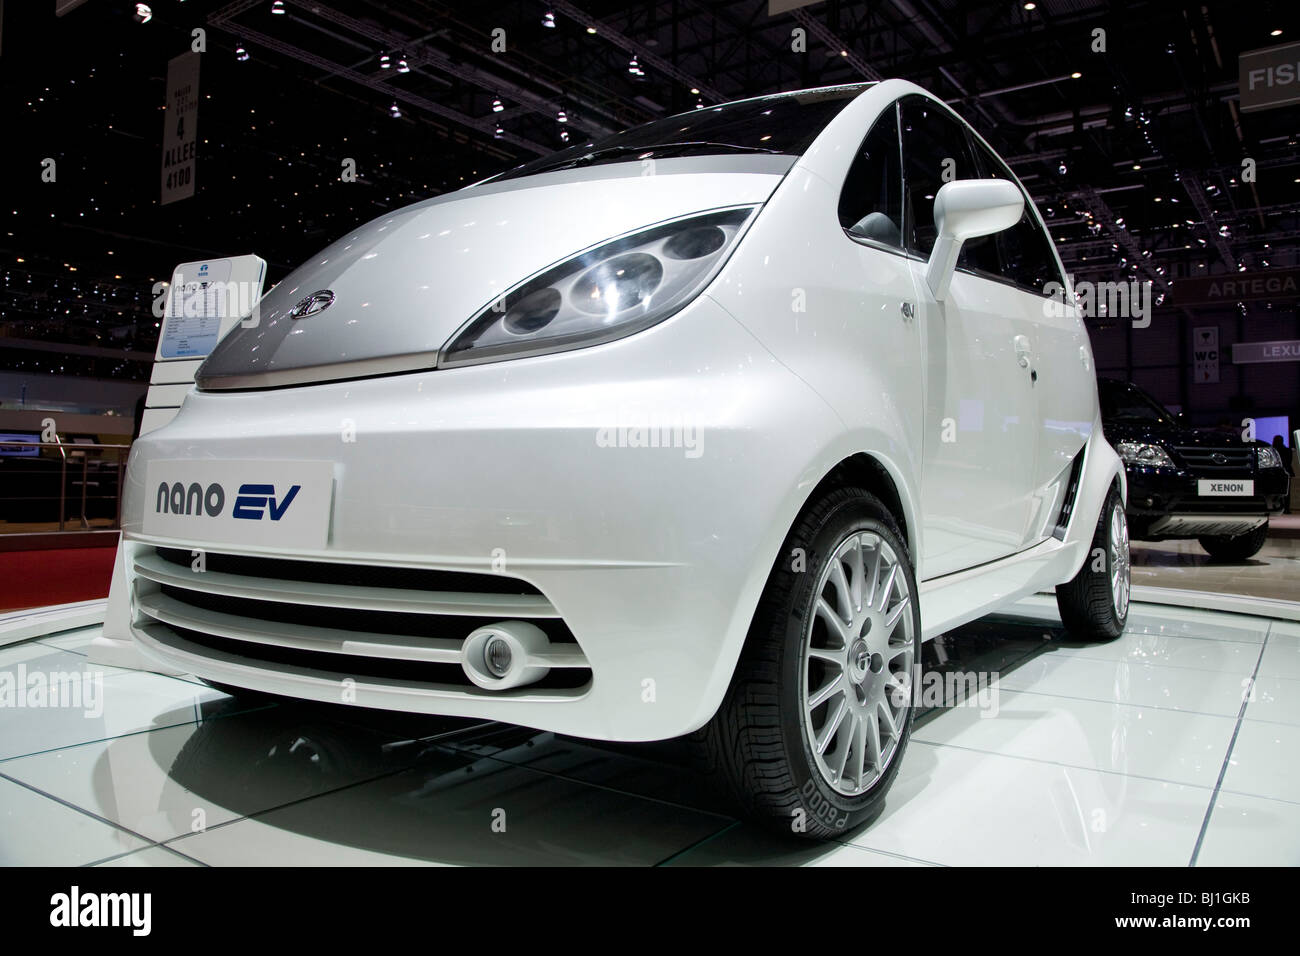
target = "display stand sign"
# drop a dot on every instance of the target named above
(205, 300)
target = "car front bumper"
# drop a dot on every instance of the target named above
(1166, 503)
(546, 471)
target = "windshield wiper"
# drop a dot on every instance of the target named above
(586, 159)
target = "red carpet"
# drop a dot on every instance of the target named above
(58, 576)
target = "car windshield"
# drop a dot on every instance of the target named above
(1122, 402)
(785, 123)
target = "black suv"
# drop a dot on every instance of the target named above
(1185, 483)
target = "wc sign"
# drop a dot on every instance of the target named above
(1205, 355)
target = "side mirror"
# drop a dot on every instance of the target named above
(968, 209)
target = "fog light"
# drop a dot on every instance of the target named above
(496, 657)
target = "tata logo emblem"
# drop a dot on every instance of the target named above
(310, 305)
(1219, 458)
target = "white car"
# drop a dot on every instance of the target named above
(700, 429)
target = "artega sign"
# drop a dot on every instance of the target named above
(1235, 287)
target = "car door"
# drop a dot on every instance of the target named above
(1060, 356)
(979, 410)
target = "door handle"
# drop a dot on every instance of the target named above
(1023, 350)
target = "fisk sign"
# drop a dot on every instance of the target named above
(282, 504)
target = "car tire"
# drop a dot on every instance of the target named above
(802, 677)
(1237, 547)
(1094, 604)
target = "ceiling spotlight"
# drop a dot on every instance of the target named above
(402, 67)
(548, 21)
(497, 105)
(499, 131)
(1128, 112)
(699, 104)
(1137, 166)
(143, 13)
(564, 136)
(278, 7)
(1275, 33)
(240, 53)
(694, 91)
(394, 112)
(562, 117)
(591, 29)
(634, 67)
(384, 63)
(1075, 75)
(1224, 231)
(1061, 169)
(1031, 6)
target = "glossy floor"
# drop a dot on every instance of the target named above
(1272, 573)
(1173, 745)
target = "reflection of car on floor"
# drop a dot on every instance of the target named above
(1189, 483)
(659, 436)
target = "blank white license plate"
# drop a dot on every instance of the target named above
(1225, 487)
(284, 504)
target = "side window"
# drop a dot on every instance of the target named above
(871, 202)
(1025, 250)
(936, 151)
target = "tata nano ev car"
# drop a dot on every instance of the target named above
(695, 431)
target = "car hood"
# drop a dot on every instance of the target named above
(404, 283)
(1178, 435)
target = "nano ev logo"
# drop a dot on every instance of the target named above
(251, 503)
(255, 500)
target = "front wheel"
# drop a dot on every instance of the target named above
(813, 728)
(1237, 547)
(1094, 604)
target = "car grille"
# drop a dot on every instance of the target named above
(1216, 460)
(343, 621)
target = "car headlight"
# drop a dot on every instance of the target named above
(1140, 453)
(1266, 457)
(613, 290)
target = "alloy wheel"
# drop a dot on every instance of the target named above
(859, 651)
(1120, 571)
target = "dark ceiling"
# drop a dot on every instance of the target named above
(1136, 163)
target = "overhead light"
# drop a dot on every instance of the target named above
(278, 7)
(499, 131)
(1158, 199)
(844, 52)
(384, 63)
(497, 106)
(699, 104)
(402, 67)
(240, 53)
(1275, 33)
(634, 67)
(1128, 112)
(694, 91)
(1075, 75)
(1061, 169)
(143, 13)
(394, 111)
(561, 117)
(564, 136)
(591, 29)
(548, 20)
(1137, 165)
(1031, 6)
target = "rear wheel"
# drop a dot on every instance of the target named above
(814, 725)
(1237, 547)
(1094, 605)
